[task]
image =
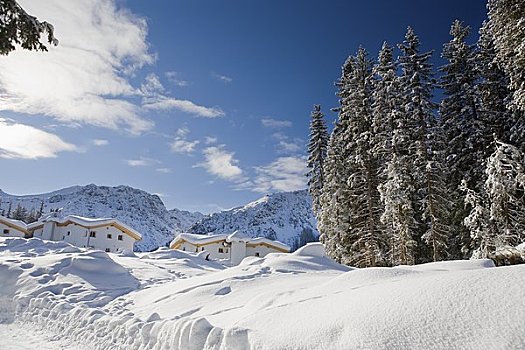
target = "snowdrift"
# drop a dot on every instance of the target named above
(304, 300)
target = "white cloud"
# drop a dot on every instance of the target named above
(225, 79)
(142, 161)
(180, 144)
(100, 142)
(289, 147)
(27, 142)
(221, 163)
(210, 140)
(183, 146)
(283, 174)
(85, 79)
(173, 77)
(155, 99)
(164, 170)
(167, 103)
(275, 123)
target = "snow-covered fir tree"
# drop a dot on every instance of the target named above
(506, 25)
(333, 217)
(391, 149)
(362, 243)
(493, 88)
(424, 152)
(468, 136)
(497, 218)
(317, 148)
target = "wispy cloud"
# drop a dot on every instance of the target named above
(155, 99)
(142, 162)
(181, 144)
(167, 103)
(100, 142)
(275, 123)
(283, 174)
(173, 77)
(289, 147)
(221, 163)
(164, 170)
(225, 79)
(210, 140)
(27, 142)
(85, 79)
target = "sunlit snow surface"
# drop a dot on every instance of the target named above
(63, 297)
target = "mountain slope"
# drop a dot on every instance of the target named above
(285, 216)
(143, 211)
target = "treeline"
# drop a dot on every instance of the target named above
(404, 180)
(21, 213)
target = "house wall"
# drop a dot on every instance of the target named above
(263, 250)
(238, 252)
(212, 248)
(10, 231)
(80, 236)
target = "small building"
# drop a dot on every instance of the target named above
(233, 247)
(13, 228)
(105, 234)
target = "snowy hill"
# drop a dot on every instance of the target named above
(56, 296)
(285, 216)
(143, 211)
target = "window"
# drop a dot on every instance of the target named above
(93, 234)
(202, 249)
(183, 249)
(119, 237)
(226, 250)
(257, 254)
(196, 249)
(221, 250)
(109, 236)
(6, 231)
(108, 250)
(68, 233)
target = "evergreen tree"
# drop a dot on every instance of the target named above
(19, 213)
(497, 218)
(333, 220)
(424, 153)
(468, 136)
(8, 214)
(17, 27)
(362, 243)
(317, 149)
(391, 144)
(494, 92)
(40, 211)
(506, 25)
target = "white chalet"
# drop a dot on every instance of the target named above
(233, 247)
(105, 234)
(13, 228)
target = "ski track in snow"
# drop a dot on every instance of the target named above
(55, 296)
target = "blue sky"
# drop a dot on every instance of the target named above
(205, 103)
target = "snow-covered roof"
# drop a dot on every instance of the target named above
(16, 224)
(237, 236)
(266, 241)
(88, 223)
(196, 239)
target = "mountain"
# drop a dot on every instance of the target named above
(284, 216)
(183, 219)
(143, 211)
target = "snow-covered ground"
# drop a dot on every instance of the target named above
(55, 296)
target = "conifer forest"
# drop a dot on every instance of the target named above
(407, 178)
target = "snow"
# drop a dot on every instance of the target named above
(166, 299)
